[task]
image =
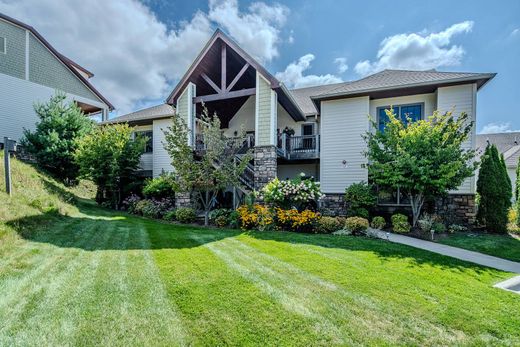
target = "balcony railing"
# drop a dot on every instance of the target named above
(299, 147)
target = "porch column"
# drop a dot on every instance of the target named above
(266, 119)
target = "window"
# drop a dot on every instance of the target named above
(388, 196)
(3, 45)
(149, 140)
(308, 129)
(403, 112)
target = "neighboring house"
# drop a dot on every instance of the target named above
(507, 144)
(31, 71)
(326, 122)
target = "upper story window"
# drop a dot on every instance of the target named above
(308, 129)
(149, 140)
(412, 111)
(3, 45)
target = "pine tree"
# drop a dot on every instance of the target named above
(494, 188)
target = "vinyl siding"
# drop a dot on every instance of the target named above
(185, 108)
(264, 112)
(343, 122)
(13, 61)
(17, 99)
(47, 70)
(161, 158)
(461, 99)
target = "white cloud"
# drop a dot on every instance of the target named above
(134, 56)
(515, 32)
(417, 51)
(342, 64)
(492, 128)
(293, 75)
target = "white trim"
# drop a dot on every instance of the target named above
(26, 55)
(257, 96)
(274, 117)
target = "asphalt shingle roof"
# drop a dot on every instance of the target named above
(154, 112)
(507, 144)
(302, 96)
(400, 78)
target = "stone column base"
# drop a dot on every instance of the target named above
(333, 205)
(183, 200)
(457, 208)
(265, 165)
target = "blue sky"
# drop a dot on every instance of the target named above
(138, 50)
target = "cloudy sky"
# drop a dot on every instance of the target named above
(139, 49)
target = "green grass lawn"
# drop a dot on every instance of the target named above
(100, 278)
(504, 246)
(79, 275)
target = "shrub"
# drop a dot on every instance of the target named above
(378, 222)
(291, 219)
(426, 222)
(150, 209)
(234, 219)
(359, 198)
(141, 205)
(438, 227)
(456, 228)
(53, 143)
(185, 215)
(256, 216)
(291, 193)
(170, 215)
(341, 220)
(356, 225)
(327, 225)
(400, 223)
(159, 187)
(221, 221)
(130, 202)
(221, 212)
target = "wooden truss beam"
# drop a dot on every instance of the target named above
(225, 95)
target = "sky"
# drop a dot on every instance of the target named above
(138, 50)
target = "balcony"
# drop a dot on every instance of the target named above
(288, 147)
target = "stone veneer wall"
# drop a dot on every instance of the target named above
(265, 165)
(454, 208)
(457, 208)
(183, 200)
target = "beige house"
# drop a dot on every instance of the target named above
(316, 130)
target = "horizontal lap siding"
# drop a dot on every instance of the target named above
(13, 61)
(263, 131)
(460, 99)
(343, 122)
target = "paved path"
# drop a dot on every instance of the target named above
(455, 252)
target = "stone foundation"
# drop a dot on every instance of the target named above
(454, 208)
(457, 208)
(333, 205)
(183, 200)
(265, 165)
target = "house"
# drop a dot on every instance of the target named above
(315, 130)
(31, 71)
(508, 144)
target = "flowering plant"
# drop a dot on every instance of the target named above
(291, 219)
(291, 193)
(255, 216)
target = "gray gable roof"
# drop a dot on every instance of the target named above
(507, 143)
(389, 79)
(147, 114)
(302, 96)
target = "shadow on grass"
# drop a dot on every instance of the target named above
(127, 232)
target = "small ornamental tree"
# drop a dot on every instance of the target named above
(206, 173)
(109, 156)
(494, 189)
(423, 159)
(53, 143)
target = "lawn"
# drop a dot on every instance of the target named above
(97, 277)
(504, 245)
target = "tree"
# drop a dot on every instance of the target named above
(213, 169)
(424, 159)
(494, 189)
(53, 143)
(109, 156)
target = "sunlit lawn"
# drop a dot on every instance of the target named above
(97, 279)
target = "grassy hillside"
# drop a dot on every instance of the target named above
(35, 194)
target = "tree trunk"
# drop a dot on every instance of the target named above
(207, 207)
(416, 201)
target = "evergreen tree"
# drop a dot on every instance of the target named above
(494, 188)
(517, 183)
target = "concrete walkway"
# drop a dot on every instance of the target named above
(454, 252)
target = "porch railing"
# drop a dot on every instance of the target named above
(299, 147)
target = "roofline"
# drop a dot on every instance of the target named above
(60, 57)
(219, 34)
(73, 63)
(291, 98)
(484, 76)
